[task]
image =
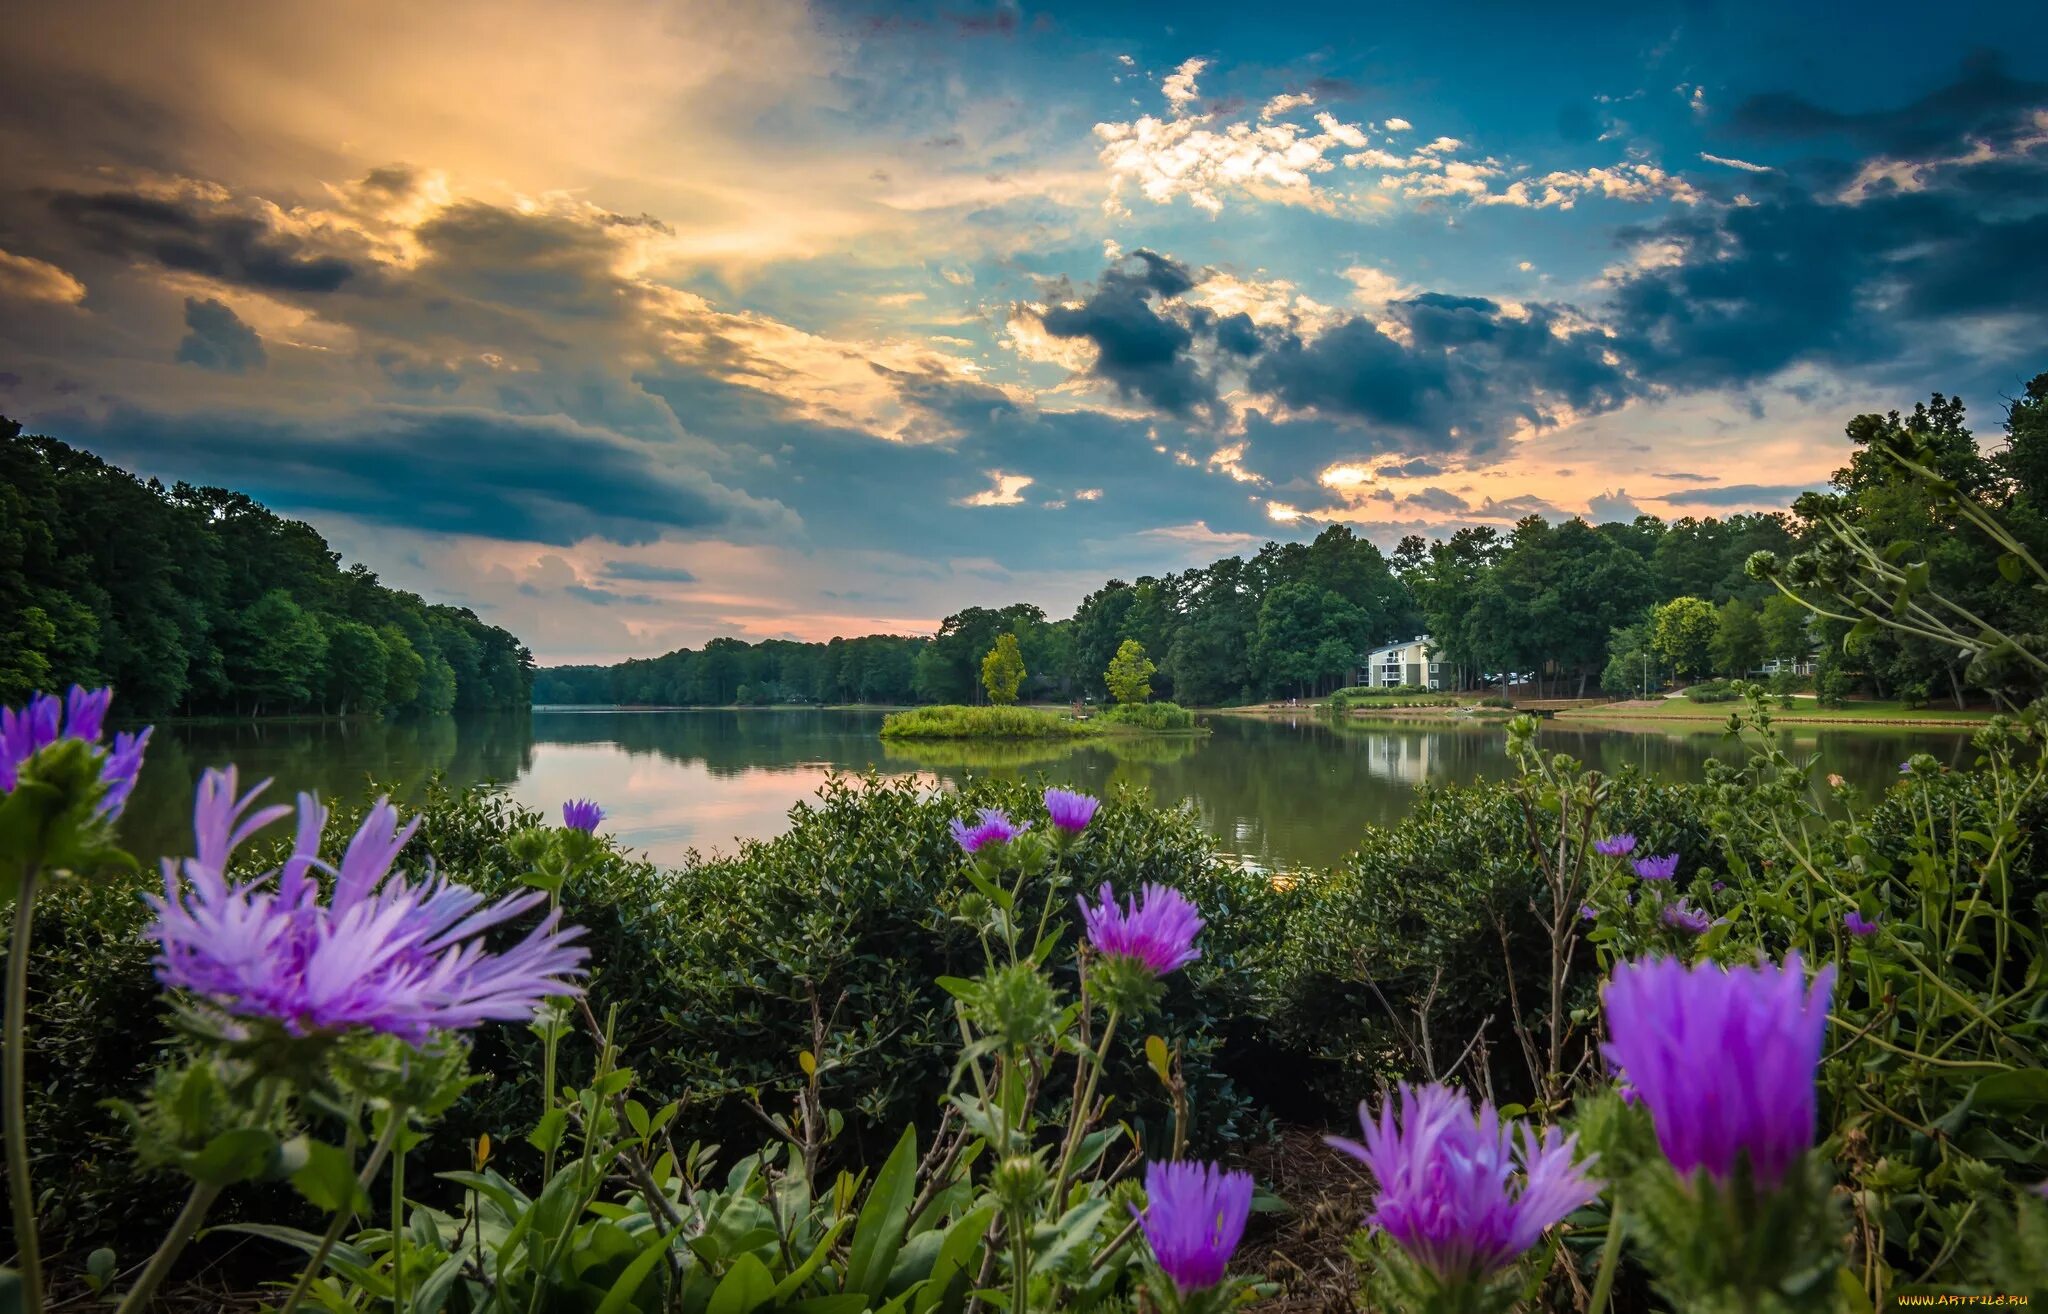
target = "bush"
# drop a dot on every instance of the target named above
(1384, 690)
(1149, 716)
(1496, 700)
(955, 722)
(1715, 691)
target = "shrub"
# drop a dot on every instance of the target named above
(1148, 716)
(951, 721)
(1715, 691)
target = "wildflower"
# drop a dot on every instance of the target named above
(1157, 929)
(1194, 1217)
(1446, 1178)
(1835, 780)
(582, 814)
(1657, 869)
(1906, 768)
(1682, 916)
(404, 959)
(1069, 811)
(78, 715)
(1615, 846)
(992, 828)
(1718, 886)
(1856, 924)
(1725, 1059)
(1587, 912)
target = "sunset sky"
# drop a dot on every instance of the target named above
(633, 324)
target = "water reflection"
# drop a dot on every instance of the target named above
(1275, 792)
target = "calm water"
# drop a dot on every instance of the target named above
(1275, 793)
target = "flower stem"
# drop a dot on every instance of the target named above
(342, 1215)
(20, 1191)
(174, 1242)
(1077, 1117)
(398, 1231)
(1610, 1261)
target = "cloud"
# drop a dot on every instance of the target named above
(198, 236)
(1689, 475)
(1397, 125)
(1179, 85)
(1139, 348)
(1981, 100)
(1612, 506)
(37, 280)
(217, 340)
(1775, 495)
(648, 572)
(1730, 163)
(1003, 490)
(1437, 499)
(1286, 103)
(537, 479)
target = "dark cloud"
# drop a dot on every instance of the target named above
(648, 573)
(540, 262)
(1612, 506)
(448, 470)
(180, 235)
(1144, 352)
(1982, 101)
(1738, 494)
(1685, 474)
(1437, 499)
(1419, 468)
(607, 598)
(217, 340)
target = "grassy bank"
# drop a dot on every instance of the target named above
(956, 722)
(1804, 711)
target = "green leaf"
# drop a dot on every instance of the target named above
(328, 1180)
(546, 1135)
(802, 1273)
(947, 1286)
(2012, 1092)
(634, 1275)
(745, 1288)
(233, 1156)
(883, 1216)
(1155, 1054)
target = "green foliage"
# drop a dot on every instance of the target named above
(1682, 633)
(1738, 646)
(985, 723)
(1130, 672)
(1003, 670)
(1716, 691)
(1148, 716)
(200, 600)
(1633, 668)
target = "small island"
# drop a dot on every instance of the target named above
(1129, 678)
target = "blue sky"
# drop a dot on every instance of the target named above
(632, 324)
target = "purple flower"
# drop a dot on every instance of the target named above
(1682, 916)
(1657, 869)
(992, 828)
(1194, 1216)
(582, 814)
(1615, 846)
(1718, 886)
(1856, 924)
(1069, 811)
(80, 715)
(1905, 768)
(404, 959)
(1725, 1059)
(1448, 1188)
(1158, 928)
(1587, 912)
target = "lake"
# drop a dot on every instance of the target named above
(1276, 792)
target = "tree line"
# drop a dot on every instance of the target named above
(1574, 606)
(201, 601)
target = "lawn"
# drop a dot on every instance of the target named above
(1803, 711)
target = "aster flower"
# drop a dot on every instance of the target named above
(1657, 869)
(1906, 768)
(80, 714)
(1725, 1059)
(1587, 912)
(406, 959)
(1682, 916)
(1856, 924)
(1463, 1194)
(1615, 846)
(582, 814)
(1069, 811)
(1158, 928)
(1193, 1219)
(992, 828)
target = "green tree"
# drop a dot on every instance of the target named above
(355, 667)
(276, 652)
(1783, 624)
(1738, 645)
(1003, 670)
(1129, 676)
(1682, 633)
(1633, 669)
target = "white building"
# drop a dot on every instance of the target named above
(1407, 662)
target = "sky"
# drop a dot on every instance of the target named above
(630, 324)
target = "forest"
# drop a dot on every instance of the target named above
(1581, 606)
(200, 601)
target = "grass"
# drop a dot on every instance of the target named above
(1804, 710)
(1148, 716)
(956, 722)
